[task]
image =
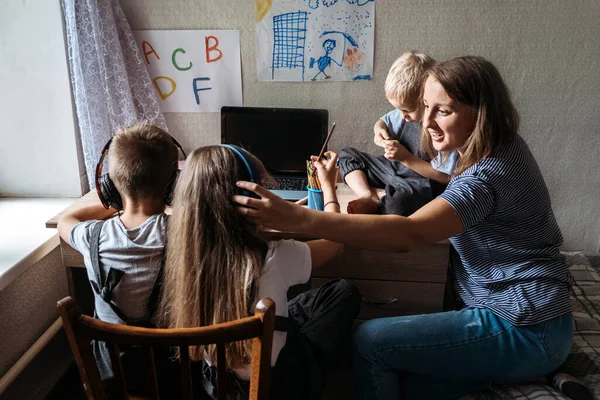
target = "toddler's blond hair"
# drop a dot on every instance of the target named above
(406, 77)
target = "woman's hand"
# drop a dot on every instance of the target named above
(270, 211)
(396, 152)
(328, 171)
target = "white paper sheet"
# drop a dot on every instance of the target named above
(315, 40)
(193, 71)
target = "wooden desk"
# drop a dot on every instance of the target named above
(391, 283)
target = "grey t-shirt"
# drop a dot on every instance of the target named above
(407, 133)
(138, 252)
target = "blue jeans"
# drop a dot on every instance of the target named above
(449, 354)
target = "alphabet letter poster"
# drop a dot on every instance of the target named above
(315, 40)
(193, 71)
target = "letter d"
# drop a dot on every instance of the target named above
(160, 92)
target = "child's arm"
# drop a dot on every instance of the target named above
(322, 251)
(396, 152)
(381, 133)
(70, 219)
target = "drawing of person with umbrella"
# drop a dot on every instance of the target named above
(325, 61)
(329, 45)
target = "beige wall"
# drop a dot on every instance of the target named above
(547, 50)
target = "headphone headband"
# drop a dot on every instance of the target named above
(238, 151)
(250, 165)
(98, 176)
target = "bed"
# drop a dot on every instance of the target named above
(584, 360)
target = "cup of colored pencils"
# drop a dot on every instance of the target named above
(315, 191)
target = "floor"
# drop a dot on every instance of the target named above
(340, 385)
(69, 387)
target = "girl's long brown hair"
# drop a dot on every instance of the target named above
(476, 82)
(213, 254)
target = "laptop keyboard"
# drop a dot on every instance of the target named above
(290, 183)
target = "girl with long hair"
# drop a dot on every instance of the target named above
(516, 323)
(218, 266)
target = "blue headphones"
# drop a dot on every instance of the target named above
(250, 165)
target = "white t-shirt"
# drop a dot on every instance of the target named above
(287, 263)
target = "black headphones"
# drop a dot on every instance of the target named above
(107, 191)
(250, 165)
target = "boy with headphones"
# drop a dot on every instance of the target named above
(124, 255)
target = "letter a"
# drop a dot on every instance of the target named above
(145, 46)
(210, 48)
(160, 92)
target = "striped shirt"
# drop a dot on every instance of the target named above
(507, 259)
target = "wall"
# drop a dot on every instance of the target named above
(38, 155)
(547, 50)
(27, 309)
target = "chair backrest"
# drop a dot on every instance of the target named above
(82, 329)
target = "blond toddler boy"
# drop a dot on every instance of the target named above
(401, 180)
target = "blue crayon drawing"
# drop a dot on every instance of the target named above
(324, 61)
(329, 44)
(314, 4)
(289, 34)
(315, 40)
(345, 35)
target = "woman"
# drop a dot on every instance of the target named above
(496, 211)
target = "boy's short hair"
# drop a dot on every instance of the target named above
(406, 77)
(142, 160)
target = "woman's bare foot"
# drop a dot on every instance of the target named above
(363, 205)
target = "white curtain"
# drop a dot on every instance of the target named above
(111, 86)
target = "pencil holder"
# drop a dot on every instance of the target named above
(315, 199)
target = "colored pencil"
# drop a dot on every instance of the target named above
(313, 177)
(326, 141)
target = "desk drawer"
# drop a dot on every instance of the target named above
(427, 264)
(410, 297)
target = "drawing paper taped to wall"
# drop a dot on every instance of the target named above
(193, 70)
(315, 40)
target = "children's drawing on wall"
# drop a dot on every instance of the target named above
(315, 40)
(193, 71)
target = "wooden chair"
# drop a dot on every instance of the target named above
(82, 329)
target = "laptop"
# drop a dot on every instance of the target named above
(282, 138)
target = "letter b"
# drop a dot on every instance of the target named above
(214, 47)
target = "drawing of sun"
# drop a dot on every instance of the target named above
(262, 8)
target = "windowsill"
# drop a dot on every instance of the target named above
(24, 239)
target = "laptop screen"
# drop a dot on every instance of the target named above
(282, 138)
